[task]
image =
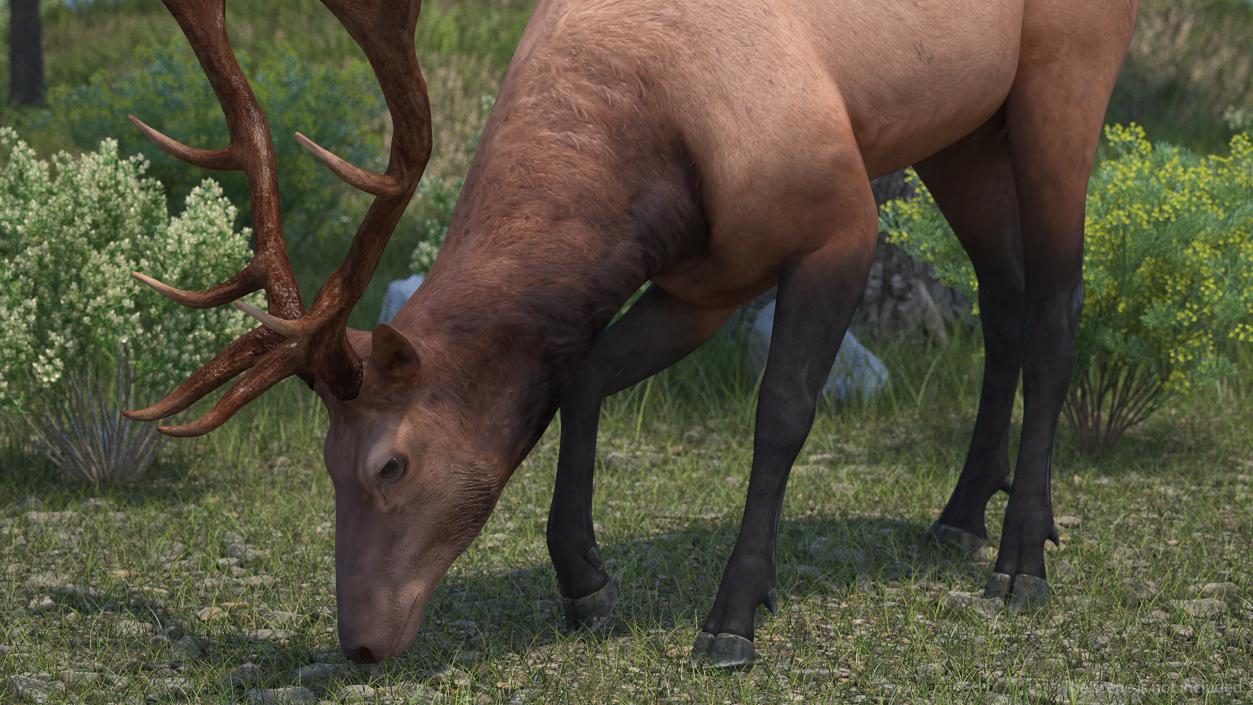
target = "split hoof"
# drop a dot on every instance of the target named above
(952, 537)
(592, 611)
(725, 650)
(1025, 592)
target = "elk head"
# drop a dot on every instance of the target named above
(411, 486)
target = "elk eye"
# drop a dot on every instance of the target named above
(392, 470)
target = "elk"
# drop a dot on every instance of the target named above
(710, 150)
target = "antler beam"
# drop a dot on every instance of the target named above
(291, 341)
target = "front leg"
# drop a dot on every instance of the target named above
(657, 332)
(816, 297)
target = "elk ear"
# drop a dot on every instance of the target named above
(393, 354)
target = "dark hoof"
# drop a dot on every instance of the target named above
(998, 585)
(953, 537)
(591, 611)
(1025, 592)
(1029, 593)
(723, 651)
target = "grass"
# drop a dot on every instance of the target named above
(153, 588)
(161, 591)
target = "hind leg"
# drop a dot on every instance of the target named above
(973, 184)
(1070, 58)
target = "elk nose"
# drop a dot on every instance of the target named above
(360, 654)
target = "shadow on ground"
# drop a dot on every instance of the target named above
(668, 580)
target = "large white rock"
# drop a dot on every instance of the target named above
(398, 292)
(856, 374)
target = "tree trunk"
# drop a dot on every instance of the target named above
(26, 56)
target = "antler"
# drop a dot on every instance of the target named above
(291, 341)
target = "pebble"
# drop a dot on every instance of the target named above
(1206, 607)
(169, 687)
(358, 694)
(204, 614)
(1067, 521)
(245, 674)
(267, 635)
(616, 460)
(241, 552)
(318, 672)
(75, 679)
(45, 517)
(186, 649)
(43, 603)
(281, 617)
(293, 695)
(130, 627)
(965, 601)
(32, 690)
(1215, 589)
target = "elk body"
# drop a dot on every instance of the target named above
(715, 149)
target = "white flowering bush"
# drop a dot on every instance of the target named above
(72, 229)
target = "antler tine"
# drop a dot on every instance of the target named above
(368, 181)
(237, 357)
(275, 366)
(239, 285)
(216, 160)
(384, 29)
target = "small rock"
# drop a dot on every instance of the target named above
(808, 571)
(1139, 591)
(357, 693)
(43, 603)
(33, 690)
(970, 602)
(281, 617)
(267, 635)
(318, 672)
(46, 581)
(1219, 589)
(169, 687)
(995, 699)
(259, 580)
(408, 693)
(77, 679)
(1204, 608)
(1067, 521)
(186, 649)
(1046, 666)
(242, 552)
(294, 695)
(205, 614)
(245, 674)
(48, 517)
(131, 627)
(616, 460)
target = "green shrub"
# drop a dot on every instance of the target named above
(72, 229)
(1168, 275)
(339, 105)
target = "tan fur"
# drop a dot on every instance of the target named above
(699, 144)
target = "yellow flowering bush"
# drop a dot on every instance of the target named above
(72, 229)
(1168, 275)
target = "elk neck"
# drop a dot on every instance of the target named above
(577, 196)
